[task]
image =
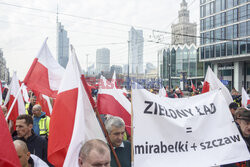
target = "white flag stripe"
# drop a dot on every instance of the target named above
(13, 90)
(55, 70)
(244, 98)
(215, 83)
(86, 126)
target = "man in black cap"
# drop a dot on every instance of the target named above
(243, 119)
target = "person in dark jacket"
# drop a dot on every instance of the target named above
(171, 94)
(30, 105)
(116, 130)
(243, 120)
(26, 159)
(36, 144)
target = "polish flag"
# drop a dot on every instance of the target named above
(45, 103)
(25, 94)
(114, 81)
(211, 82)
(115, 86)
(8, 155)
(193, 87)
(19, 107)
(112, 101)
(45, 73)
(245, 100)
(124, 92)
(73, 120)
(1, 92)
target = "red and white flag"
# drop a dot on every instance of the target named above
(1, 93)
(124, 92)
(211, 82)
(19, 107)
(8, 155)
(45, 73)
(193, 87)
(45, 103)
(114, 81)
(112, 101)
(245, 100)
(25, 94)
(73, 120)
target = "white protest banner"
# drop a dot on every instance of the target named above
(196, 132)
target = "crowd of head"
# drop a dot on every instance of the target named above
(30, 134)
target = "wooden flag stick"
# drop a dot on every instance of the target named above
(132, 130)
(107, 137)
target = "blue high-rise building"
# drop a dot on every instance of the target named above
(62, 45)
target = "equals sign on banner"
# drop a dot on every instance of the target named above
(188, 130)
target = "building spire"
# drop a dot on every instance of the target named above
(183, 12)
(183, 4)
(57, 13)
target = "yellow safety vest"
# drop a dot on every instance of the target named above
(44, 125)
(26, 108)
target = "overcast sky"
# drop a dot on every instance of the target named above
(24, 29)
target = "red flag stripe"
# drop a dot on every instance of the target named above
(27, 77)
(205, 87)
(8, 155)
(59, 138)
(107, 104)
(39, 80)
(43, 102)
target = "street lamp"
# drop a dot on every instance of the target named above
(169, 76)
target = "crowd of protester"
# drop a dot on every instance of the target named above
(30, 133)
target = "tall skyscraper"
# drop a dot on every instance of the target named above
(135, 51)
(4, 71)
(225, 40)
(184, 27)
(62, 45)
(102, 60)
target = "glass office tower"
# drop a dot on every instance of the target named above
(225, 40)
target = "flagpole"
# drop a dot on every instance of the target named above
(132, 131)
(7, 98)
(107, 137)
(6, 118)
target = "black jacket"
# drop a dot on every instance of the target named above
(36, 145)
(123, 154)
